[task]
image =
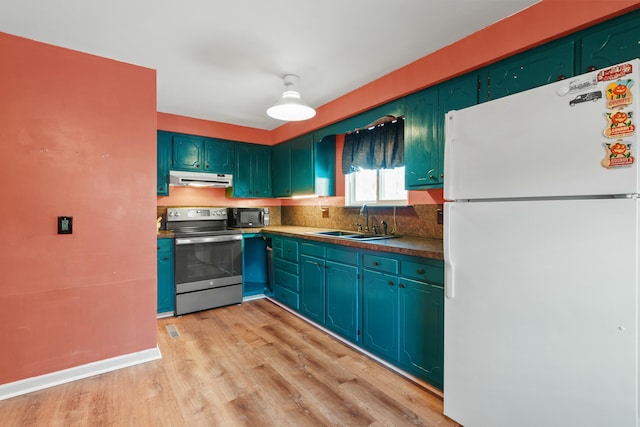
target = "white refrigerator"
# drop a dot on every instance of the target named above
(541, 240)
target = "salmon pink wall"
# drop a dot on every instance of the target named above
(182, 124)
(78, 138)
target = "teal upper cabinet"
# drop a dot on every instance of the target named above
(219, 155)
(424, 129)
(422, 150)
(281, 169)
(536, 67)
(302, 166)
(188, 153)
(611, 43)
(164, 162)
(252, 171)
(193, 153)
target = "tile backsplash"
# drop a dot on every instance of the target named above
(417, 220)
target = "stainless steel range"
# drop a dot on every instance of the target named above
(208, 259)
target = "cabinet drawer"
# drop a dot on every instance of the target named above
(287, 297)
(276, 242)
(344, 256)
(375, 262)
(285, 265)
(290, 250)
(423, 271)
(312, 249)
(165, 245)
(286, 280)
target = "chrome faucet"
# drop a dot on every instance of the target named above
(364, 210)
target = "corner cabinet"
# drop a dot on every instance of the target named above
(166, 285)
(302, 166)
(251, 172)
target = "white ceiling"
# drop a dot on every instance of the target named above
(223, 60)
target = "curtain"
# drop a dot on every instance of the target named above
(379, 148)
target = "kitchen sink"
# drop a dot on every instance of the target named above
(335, 233)
(351, 235)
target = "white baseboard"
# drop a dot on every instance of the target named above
(253, 297)
(29, 385)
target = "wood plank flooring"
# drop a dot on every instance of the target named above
(253, 364)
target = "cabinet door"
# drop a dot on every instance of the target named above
(312, 287)
(166, 286)
(380, 313)
(422, 150)
(164, 155)
(261, 171)
(187, 153)
(281, 165)
(611, 44)
(218, 156)
(242, 171)
(342, 300)
(422, 329)
(302, 171)
(531, 69)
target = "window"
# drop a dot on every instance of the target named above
(375, 187)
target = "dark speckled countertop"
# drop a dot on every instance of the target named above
(407, 245)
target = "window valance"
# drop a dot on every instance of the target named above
(377, 147)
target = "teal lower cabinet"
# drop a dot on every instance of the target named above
(390, 305)
(422, 330)
(166, 285)
(342, 308)
(254, 266)
(312, 274)
(380, 313)
(286, 286)
(403, 313)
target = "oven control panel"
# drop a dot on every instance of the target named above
(196, 214)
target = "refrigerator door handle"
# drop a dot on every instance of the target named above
(448, 155)
(449, 281)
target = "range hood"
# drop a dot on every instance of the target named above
(200, 179)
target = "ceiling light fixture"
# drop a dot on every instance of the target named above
(290, 108)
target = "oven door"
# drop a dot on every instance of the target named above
(207, 262)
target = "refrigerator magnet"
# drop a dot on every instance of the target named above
(618, 94)
(618, 154)
(619, 124)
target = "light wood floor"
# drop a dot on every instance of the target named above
(253, 364)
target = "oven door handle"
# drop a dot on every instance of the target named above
(208, 239)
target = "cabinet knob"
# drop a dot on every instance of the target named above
(420, 271)
(591, 68)
(432, 177)
(376, 263)
(165, 258)
(561, 77)
(402, 285)
(391, 283)
(197, 165)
